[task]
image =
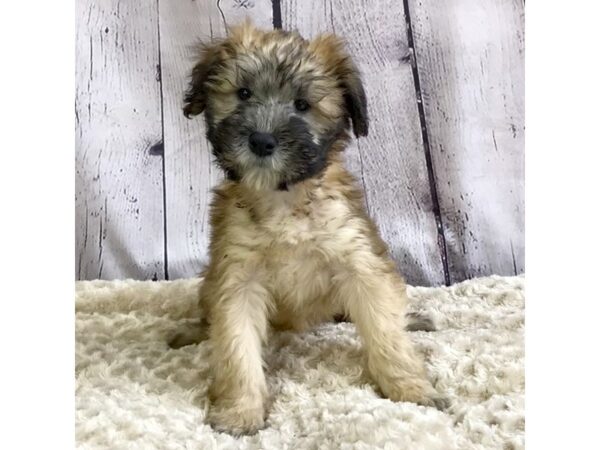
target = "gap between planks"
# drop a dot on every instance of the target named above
(277, 14)
(426, 147)
(161, 144)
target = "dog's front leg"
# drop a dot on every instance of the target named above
(376, 305)
(238, 329)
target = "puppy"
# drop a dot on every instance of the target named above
(291, 243)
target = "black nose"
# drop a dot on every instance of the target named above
(262, 144)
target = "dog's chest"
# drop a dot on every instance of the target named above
(301, 249)
(307, 226)
(297, 245)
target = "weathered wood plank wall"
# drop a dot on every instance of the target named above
(442, 166)
(119, 220)
(470, 62)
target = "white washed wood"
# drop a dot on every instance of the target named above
(189, 171)
(470, 58)
(390, 161)
(119, 219)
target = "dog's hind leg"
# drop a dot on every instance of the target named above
(419, 322)
(191, 333)
(414, 321)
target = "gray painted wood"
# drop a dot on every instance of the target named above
(390, 161)
(119, 215)
(189, 171)
(135, 221)
(470, 60)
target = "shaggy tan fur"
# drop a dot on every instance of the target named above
(295, 257)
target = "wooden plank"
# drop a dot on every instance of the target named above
(470, 60)
(189, 172)
(119, 223)
(390, 161)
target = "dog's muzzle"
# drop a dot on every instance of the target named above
(262, 144)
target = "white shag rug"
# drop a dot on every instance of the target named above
(134, 392)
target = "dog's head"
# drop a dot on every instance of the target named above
(275, 103)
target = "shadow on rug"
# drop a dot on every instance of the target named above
(133, 391)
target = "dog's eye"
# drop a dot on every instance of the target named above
(244, 94)
(301, 105)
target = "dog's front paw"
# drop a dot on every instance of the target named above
(420, 392)
(235, 419)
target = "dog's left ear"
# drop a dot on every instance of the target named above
(331, 49)
(356, 100)
(354, 97)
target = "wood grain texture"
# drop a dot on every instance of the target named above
(119, 221)
(144, 172)
(390, 161)
(189, 171)
(470, 60)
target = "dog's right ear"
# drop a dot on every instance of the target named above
(195, 96)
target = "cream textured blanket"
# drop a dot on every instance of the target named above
(133, 391)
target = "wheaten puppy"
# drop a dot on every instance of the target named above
(291, 244)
